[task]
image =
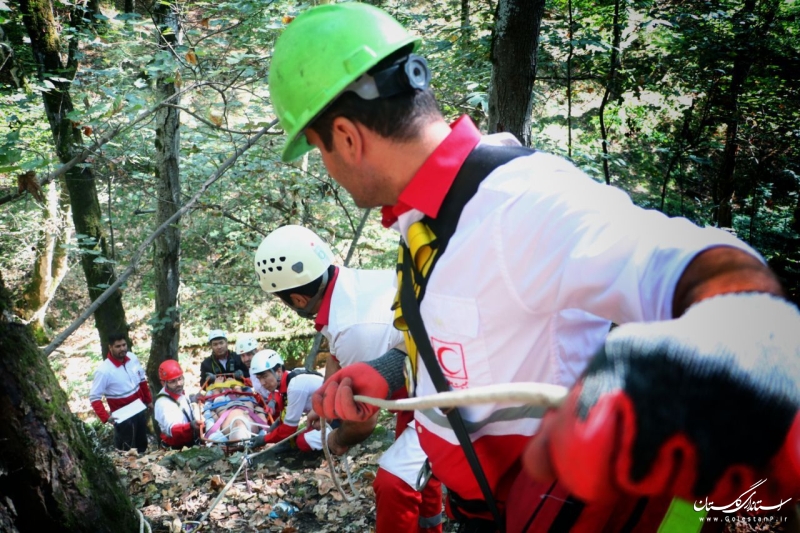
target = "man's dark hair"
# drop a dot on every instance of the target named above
(309, 289)
(114, 337)
(397, 117)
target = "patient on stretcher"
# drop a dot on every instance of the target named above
(231, 411)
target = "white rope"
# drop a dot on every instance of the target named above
(538, 394)
(245, 459)
(323, 435)
(143, 522)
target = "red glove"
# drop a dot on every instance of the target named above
(704, 405)
(335, 398)
(280, 433)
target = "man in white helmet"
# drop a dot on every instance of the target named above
(352, 309)
(290, 395)
(246, 348)
(221, 360)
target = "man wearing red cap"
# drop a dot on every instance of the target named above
(173, 412)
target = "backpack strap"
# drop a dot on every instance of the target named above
(479, 164)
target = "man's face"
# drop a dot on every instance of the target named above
(219, 347)
(247, 357)
(119, 349)
(367, 190)
(175, 386)
(268, 380)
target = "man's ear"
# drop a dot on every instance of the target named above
(348, 139)
(299, 300)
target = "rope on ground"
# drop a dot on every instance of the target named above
(538, 394)
(245, 460)
(323, 435)
(143, 522)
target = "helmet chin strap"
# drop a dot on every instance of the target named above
(307, 311)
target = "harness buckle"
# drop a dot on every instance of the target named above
(424, 476)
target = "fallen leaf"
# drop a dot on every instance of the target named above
(204, 23)
(28, 182)
(216, 482)
(87, 130)
(287, 19)
(191, 57)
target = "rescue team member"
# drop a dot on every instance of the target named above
(352, 310)
(246, 348)
(121, 379)
(295, 389)
(173, 411)
(221, 360)
(652, 413)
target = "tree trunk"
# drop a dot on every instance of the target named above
(130, 6)
(612, 91)
(749, 39)
(38, 18)
(50, 266)
(514, 47)
(52, 480)
(465, 28)
(166, 260)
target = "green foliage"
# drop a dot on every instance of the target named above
(665, 118)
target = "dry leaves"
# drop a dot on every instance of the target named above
(28, 182)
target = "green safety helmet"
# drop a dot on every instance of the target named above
(319, 54)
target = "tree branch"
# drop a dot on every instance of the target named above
(63, 169)
(61, 337)
(209, 123)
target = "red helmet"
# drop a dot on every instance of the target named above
(169, 370)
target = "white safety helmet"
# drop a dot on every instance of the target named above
(245, 344)
(217, 334)
(264, 360)
(289, 257)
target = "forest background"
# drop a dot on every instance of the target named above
(121, 120)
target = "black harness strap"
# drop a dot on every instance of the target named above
(479, 164)
(189, 415)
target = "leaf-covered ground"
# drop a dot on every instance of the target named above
(174, 489)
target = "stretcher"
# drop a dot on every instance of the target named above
(230, 412)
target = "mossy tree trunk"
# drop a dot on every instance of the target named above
(166, 259)
(38, 18)
(514, 46)
(51, 479)
(50, 265)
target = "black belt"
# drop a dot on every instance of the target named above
(469, 524)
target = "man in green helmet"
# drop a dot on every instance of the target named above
(511, 267)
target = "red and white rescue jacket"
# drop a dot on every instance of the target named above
(121, 382)
(540, 252)
(174, 416)
(356, 318)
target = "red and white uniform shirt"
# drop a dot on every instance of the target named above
(540, 252)
(174, 416)
(357, 319)
(121, 382)
(298, 397)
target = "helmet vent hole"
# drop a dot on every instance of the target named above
(298, 267)
(282, 259)
(258, 263)
(279, 268)
(273, 285)
(272, 260)
(263, 271)
(270, 269)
